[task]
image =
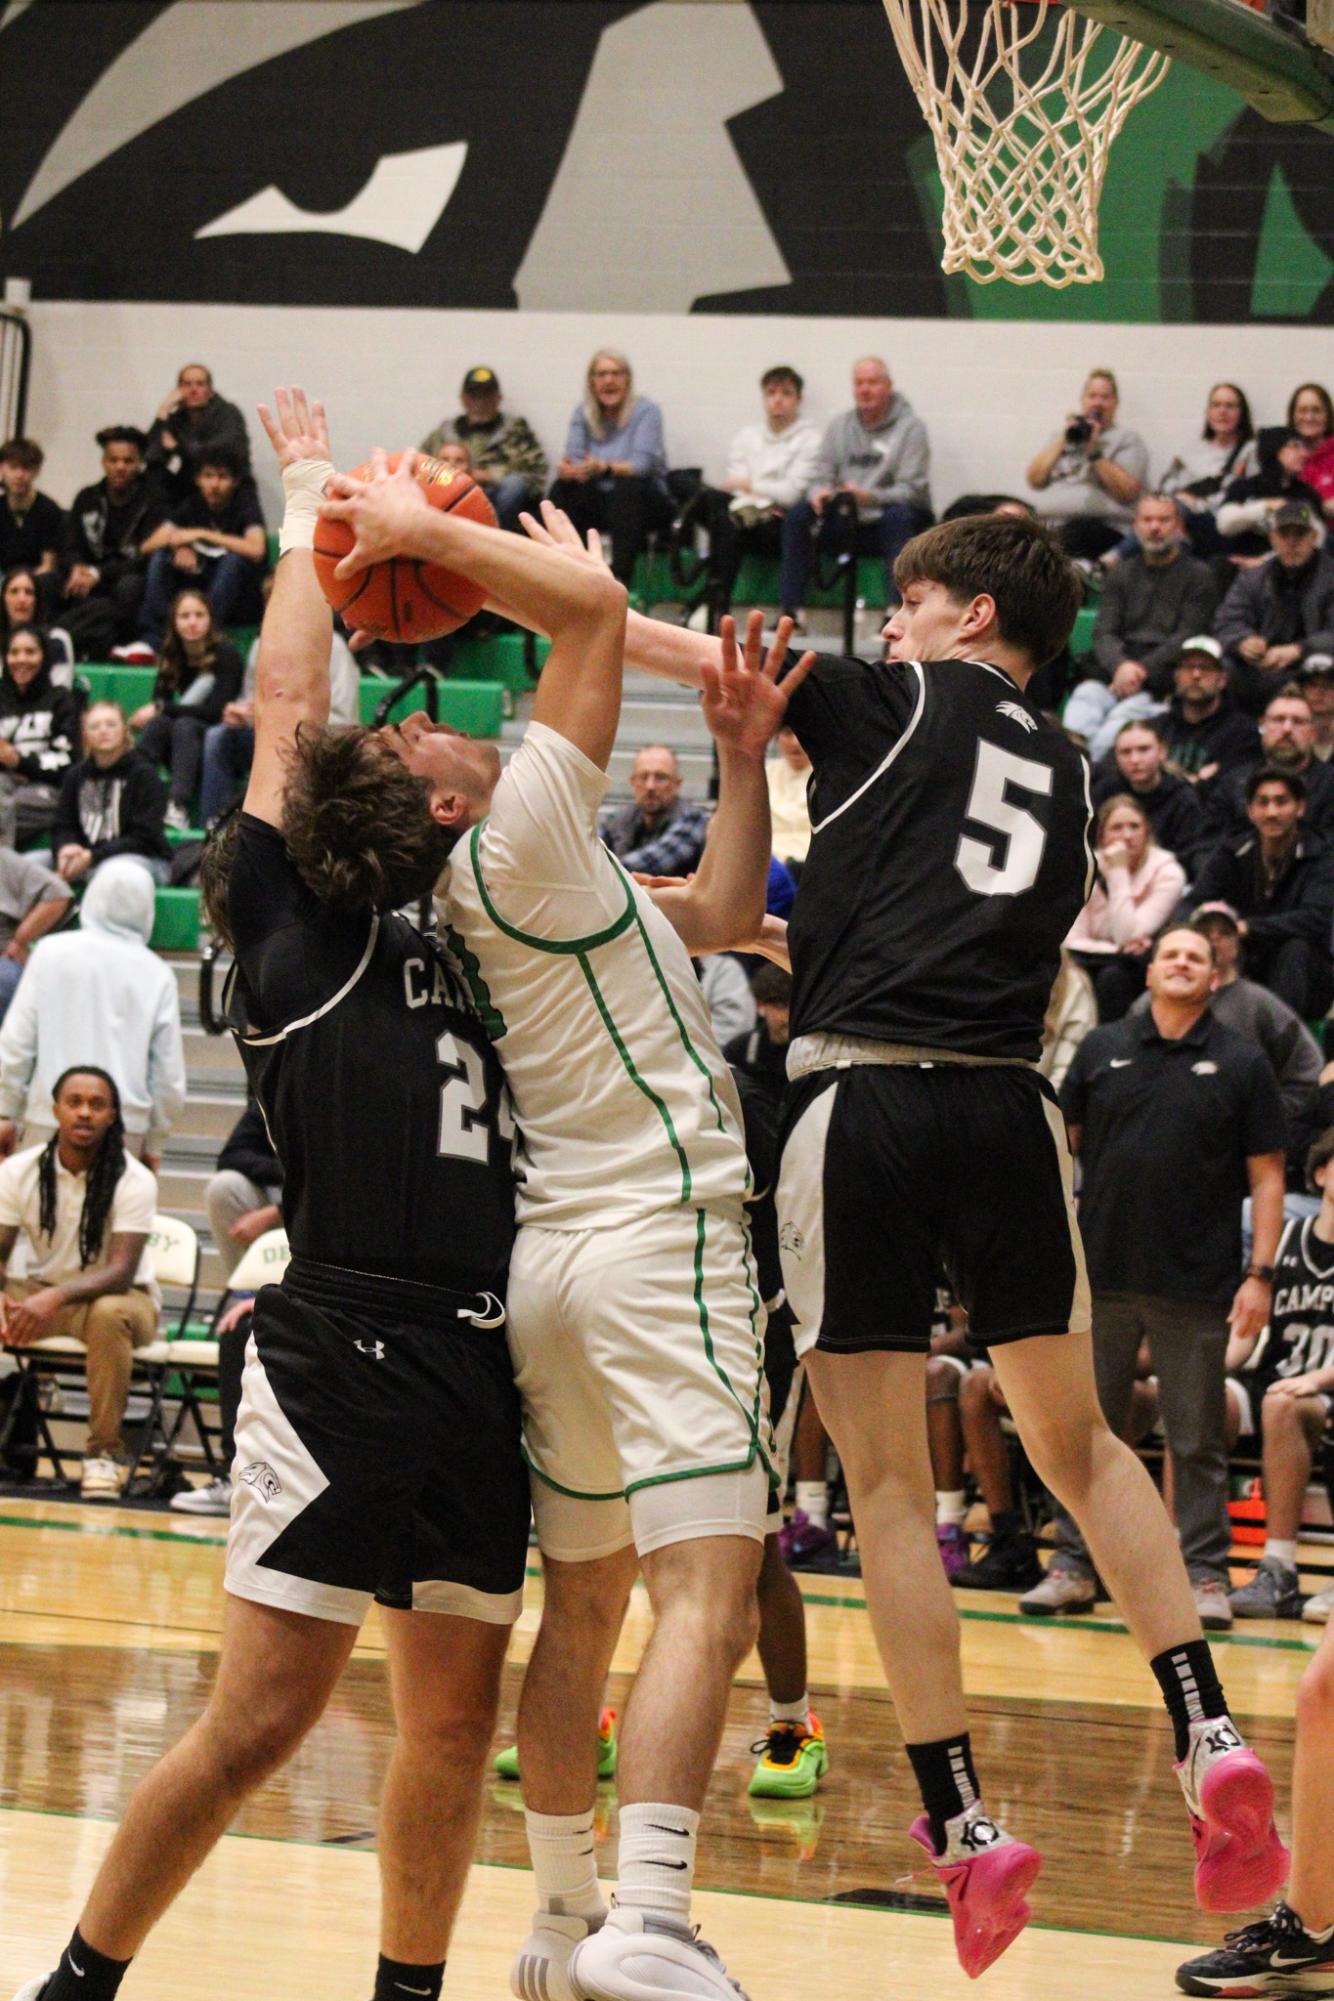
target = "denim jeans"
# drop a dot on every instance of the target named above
(231, 583)
(886, 535)
(229, 749)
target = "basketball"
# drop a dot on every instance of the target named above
(403, 598)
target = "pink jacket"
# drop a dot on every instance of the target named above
(1125, 906)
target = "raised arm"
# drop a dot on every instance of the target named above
(292, 680)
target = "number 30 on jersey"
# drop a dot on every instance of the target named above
(1008, 863)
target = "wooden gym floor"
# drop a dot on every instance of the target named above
(108, 1636)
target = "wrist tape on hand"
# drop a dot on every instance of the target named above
(304, 485)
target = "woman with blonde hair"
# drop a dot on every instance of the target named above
(612, 475)
(1138, 887)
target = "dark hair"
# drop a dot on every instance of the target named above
(1291, 691)
(1319, 1154)
(771, 984)
(19, 570)
(1170, 931)
(1137, 723)
(1246, 426)
(122, 434)
(107, 1167)
(202, 366)
(1269, 774)
(1036, 588)
(222, 455)
(987, 503)
(782, 373)
(23, 452)
(174, 670)
(1316, 389)
(215, 872)
(15, 631)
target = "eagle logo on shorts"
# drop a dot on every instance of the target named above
(263, 1479)
(791, 1239)
(1016, 714)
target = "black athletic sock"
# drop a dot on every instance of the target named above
(945, 1779)
(395, 1978)
(1191, 1688)
(85, 1975)
(1005, 1525)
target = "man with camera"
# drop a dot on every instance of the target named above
(1091, 473)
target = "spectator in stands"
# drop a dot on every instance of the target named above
(85, 1210)
(1151, 602)
(761, 1053)
(1071, 1012)
(99, 990)
(1316, 675)
(1091, 473)
(1287, 743)
(1283, 609)
(199, 674)
(770, 466)
(613, 473)
(31, 524)
(1311, 416)
(32, 899)
(788, 775)
(191, 419)
(1203, 731)
(38, 723)
(504, 453)
(1138, 766)
(244, 1197)
(876, 456)
(1249, 504)
(455, 454)
(217, 542)
(103, 558)
(1294, 1387)
(112, 803)
(1138, 886)
(728, 996)
(1280, 881)
(1174, 1118)
(21, 604)
(229, 745)
(660, 833)
(1198, 476)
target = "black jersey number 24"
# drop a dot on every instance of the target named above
(1008, 862)
(466, 1119)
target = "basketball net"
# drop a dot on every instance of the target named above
(1023, 116)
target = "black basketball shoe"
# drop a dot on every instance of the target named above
(1276, 1956)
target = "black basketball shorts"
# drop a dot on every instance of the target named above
(890, 1171)
(378, 1452)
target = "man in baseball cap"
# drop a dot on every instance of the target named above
(1277, 613)
(506, 457)
(1201, 728)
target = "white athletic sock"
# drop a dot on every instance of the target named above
(1286, 1552)
(564, 1867)
(790, 1712)
(656, 1865)
(951, 1507)
(813, 1501)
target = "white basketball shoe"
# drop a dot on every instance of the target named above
(638, 1957)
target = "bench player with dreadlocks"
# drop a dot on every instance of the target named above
(86, 1209)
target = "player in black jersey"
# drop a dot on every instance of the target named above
(948, 861)
(377, 1448)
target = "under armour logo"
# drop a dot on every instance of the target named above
(375, 1349)
(263, 1479)
(1016, 714)
(979, 1832)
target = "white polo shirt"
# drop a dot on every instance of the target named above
(52, 1260)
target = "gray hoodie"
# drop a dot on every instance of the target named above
(98, 995)
(893, 462)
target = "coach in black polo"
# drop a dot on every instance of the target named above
(1176, 1120)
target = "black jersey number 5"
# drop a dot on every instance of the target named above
(1009, 862)
(465, 1121)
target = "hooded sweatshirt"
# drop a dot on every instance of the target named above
(42, 723)
(98, 995)
(893, 461)
(116, 809)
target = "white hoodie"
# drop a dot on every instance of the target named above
(98, 995)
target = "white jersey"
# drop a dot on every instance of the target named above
(624, 1102)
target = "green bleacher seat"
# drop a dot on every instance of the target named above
(475, 706)
(1081, 639)
(176, 921)
(176, 836)
(273, 548)
(130, 686)
(500, 656)
(758, 580)
(243, 638)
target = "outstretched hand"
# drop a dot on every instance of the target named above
(556, 531)
(384, 512)
(299, 431)
(742, 698)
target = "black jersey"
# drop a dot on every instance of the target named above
(1301, 1319)
(949, 856)
(381, 1095)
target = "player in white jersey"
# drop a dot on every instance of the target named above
(636, 1326)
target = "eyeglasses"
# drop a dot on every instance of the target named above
(609, 374)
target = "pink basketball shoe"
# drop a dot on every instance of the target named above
(1240, 1861)
(987, 1875)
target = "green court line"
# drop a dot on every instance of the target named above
(710, 1889)
(115, 1529)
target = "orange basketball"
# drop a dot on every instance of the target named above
(403, 598)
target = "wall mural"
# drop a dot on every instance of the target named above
(592, 155)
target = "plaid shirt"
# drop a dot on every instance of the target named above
(672, 846)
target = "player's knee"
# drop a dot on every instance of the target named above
(942, 1381)
(1280, 1417)
(450, 1736)
(246, 1745)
